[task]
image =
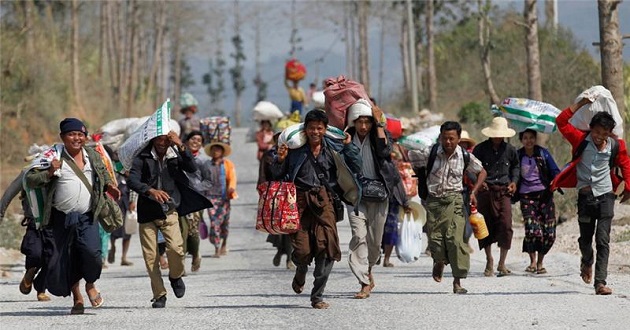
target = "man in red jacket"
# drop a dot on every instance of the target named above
(591, 173)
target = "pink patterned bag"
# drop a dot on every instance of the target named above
(340, 94)
(277, 208)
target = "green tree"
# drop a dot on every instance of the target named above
(238, 81)
(474, 113)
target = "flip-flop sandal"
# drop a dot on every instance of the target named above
(77, 309)
(94, 300)
(460, 290)
(362, 295)
(530, 269)
(320, 305)
(541, 271)
(488, 272)
(503, 272)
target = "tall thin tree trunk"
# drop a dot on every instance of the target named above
(132, 56)
(364, 62)
(74, 66)
(432, 76)
(347, 35)
(29, 17)
(551, 14)
(484, 48)
(177, 65)
(101, 38)
(353, 34)
(404, 50)
(160, 24)
(611, 53)
(534, 83)
(381, 62)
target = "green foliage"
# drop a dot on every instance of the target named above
(238, 82)
(474, 113)
(261, 88)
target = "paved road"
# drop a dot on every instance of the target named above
(244, 291)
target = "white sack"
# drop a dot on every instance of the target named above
(602, 101)
(295, 137)
(318, 99)
(156, 125)
(265, 110)
(420, 140)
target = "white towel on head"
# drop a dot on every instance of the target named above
(361, 107)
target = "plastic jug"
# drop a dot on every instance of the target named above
(478, 224)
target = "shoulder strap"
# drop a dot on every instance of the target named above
(76, 170)
(432, 156)
(580, 149)
(614, 151)
(466, 156)
(319, 171)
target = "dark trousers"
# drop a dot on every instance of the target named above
(33, 249)
(595, 218)
(323, 267)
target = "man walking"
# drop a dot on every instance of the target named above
(164, 194)
(500, 160)
(368, 134)
(445, 202)
(595, 156)
(75, 182)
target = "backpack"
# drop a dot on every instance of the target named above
(614, 151)
(422, 173)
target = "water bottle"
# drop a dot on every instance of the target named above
(478, 223)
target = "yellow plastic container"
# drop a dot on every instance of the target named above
(478, 224)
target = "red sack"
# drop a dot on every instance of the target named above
(340, 95)
(294, 70)
(277, 208)
(394, 126)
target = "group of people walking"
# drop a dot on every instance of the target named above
(176, 182)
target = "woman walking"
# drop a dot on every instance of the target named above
(537, 170)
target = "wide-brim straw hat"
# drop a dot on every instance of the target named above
(465, 137)
(418, 213)
(227, 150)
(498, 129)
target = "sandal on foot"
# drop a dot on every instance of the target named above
(77, 309)
(541, 271)
(530, 269)
(196, 264)
(96, 301)
(42, 296)
(388, 264)
(438, 271)
(297, 288)
(126, 262)
(488, 272)
(363, 294)
(459, 290)
(320, 305)
(503, 272)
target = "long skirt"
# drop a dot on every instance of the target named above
(539, 214)
(219, 215)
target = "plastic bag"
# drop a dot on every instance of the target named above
(409, 247)
(131, 222)
(420, 140)
(603, 101)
